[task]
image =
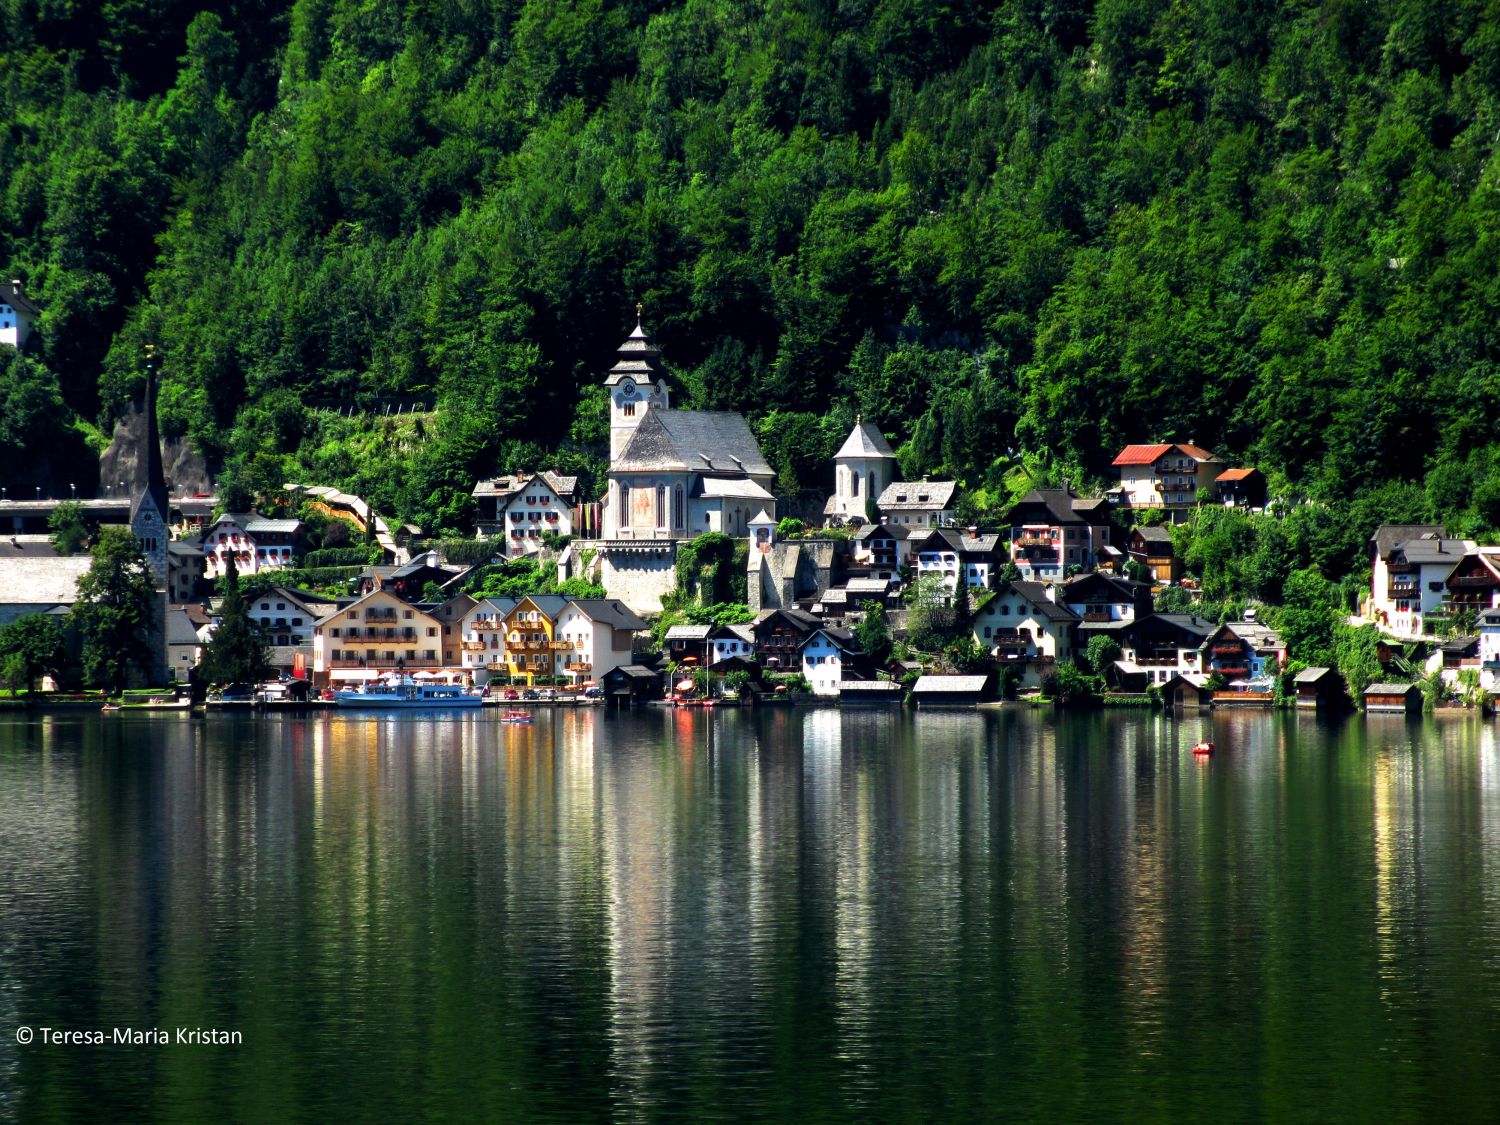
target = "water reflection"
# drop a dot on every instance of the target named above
(813, 915)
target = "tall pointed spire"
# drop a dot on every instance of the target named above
(156, 482)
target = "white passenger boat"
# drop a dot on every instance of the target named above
(406, 693)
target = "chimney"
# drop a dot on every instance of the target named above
(15, 283)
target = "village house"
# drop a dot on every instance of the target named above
(185, 570)
(18, 313)
(521, 509)
(1241, 488)
(827, 655)
(967, 558)
(1053, 530)
(1105, 604)
(1401, 699)
(1160, 645)
(779, 634)
(531, 648)
(1170, 475)
(255, 542)
(1152, 548)
(1410, 565)
(877, 550)
(287, 620)
(481, 632)
(1245, 650)
(451, 613)
(409, 581)
(1025, 628)
(689, 644)
(376, 633)
(1489, 650)
(1474, 582)
(864, 468)
(731, 642)
(914, 505)
(592, 637)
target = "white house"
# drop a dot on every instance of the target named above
(1489, 650)
(728, 641)
(864, 468)
(521, 509)
(826, 654)
(913, 505)
(17, 314)
(1024, 626)
(482, 637)
(1409, 569)
(255, 542)
(956, 556)
(593, 637)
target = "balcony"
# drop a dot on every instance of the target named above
(1096, 617)
(1471, 580)
(473, 646)
(380, 615)
(1011, 640)
(1228, 651)
(561, 646)
(1035, 539)
(1156, 660)
(487, 626)
(1185, 469)
(378, 662)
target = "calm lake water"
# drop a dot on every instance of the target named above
(792, 916)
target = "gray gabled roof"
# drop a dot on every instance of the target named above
(698, 441)
(918, 496)
(864, 441)
(609, 611)
(1434, 550)
(1311, 675)
(1389, 689)
(1036, 594)
(1388, 535)
(17, 299)
(689, 632)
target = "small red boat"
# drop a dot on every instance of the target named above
(1203, 748)
(516, 717)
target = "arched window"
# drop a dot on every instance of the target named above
(628, 409)
(679, 508)
(854, 483)
(661, 505)
(623, 493)
(872, 484)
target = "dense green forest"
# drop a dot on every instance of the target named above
(1013, 234)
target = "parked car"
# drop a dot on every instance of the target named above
(593, 693)
(512, 693)
(549, 696)
(529, 693)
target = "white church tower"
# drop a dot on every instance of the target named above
(637, 383)
(864, 467)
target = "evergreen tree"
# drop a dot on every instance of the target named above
(115, 613)
(236, 652)
(873, 632)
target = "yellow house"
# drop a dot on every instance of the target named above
(530, 642)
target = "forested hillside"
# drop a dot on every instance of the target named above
(1033, 231)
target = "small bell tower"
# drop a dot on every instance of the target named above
(637, 383)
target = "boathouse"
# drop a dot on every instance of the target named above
(1396, 698)
(1318, 687)
(949, 691)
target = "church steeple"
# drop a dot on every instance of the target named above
(637, 383)
(156, 481)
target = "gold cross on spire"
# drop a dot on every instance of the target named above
(639, 308)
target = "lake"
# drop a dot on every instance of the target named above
(789, 915)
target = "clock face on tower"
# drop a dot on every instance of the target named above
(627, 388)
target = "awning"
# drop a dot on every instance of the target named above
(353, 674)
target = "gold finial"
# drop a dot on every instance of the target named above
(859, 419)
(639, 308)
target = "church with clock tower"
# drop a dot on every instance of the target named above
(673, 475)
